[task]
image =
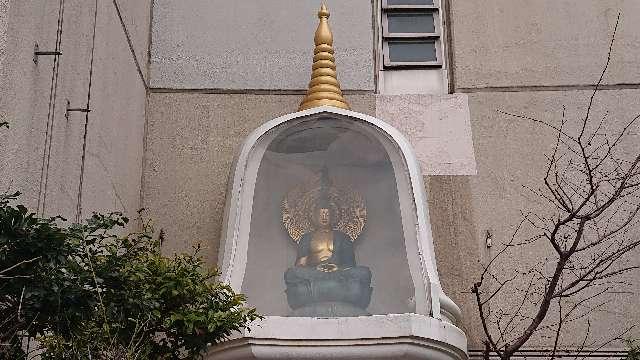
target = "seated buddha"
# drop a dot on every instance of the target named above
(325, 280)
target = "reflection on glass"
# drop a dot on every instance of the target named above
(411, 23)
(409, 2)
(412, 51)
(325, 220)
(326, 236)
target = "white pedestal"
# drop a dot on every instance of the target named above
(398, 336)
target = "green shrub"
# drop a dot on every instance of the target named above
(633, 352)
(84, 292)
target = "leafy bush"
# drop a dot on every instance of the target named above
(633, 349)
(84, 292)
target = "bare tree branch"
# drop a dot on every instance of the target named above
(591, 190)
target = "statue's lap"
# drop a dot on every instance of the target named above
(348, 290)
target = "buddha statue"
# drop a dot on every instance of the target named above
(326, 249)
(325, 280)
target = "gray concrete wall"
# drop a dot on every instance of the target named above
(4, 14)
(20, 84)
(511, 153)
(509, 43)
(136, 16)
(115, 131)
(529, 58)
(454, 230)
(256, 44)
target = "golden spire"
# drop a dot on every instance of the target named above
(324, 88)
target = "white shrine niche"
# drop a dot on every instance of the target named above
(375, 293)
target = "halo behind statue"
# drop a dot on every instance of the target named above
(347, 205)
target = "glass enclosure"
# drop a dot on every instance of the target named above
(327, 235)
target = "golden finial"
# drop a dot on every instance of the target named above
(324, 88)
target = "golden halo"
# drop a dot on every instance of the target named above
(347, 205)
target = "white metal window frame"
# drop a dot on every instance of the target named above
(436, 36)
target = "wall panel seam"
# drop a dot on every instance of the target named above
(129, 42)
(248, 91)
(535, 88)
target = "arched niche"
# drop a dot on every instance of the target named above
(356, 152)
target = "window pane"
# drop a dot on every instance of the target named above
(414, 51)
(409, 2)
(411, 23)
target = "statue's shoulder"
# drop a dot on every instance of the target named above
(340, 235)
(306, 237)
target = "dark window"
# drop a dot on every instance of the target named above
(409, 2)
(411, 32)
(412, 51)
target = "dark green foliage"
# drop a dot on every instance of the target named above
(633, 349)
(83, 291)
(33, 285)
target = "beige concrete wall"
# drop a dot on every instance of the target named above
(256, 44)
(511, 43)
(191, 142)
(114, 141)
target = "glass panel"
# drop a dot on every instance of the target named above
(411, 23)
(409, 2)
(412, 51)
(327, 237)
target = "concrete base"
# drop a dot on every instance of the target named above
(399, 336)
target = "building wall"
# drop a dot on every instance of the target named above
(115, 127)
(511, 153)
(191, 142)
(545, 43)
(178, 84)
(533, 58)
(235, 45)
(220, 69)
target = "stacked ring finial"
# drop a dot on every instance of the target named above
(324, 88)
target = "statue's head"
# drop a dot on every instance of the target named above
(322, 213)
(322, 217)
